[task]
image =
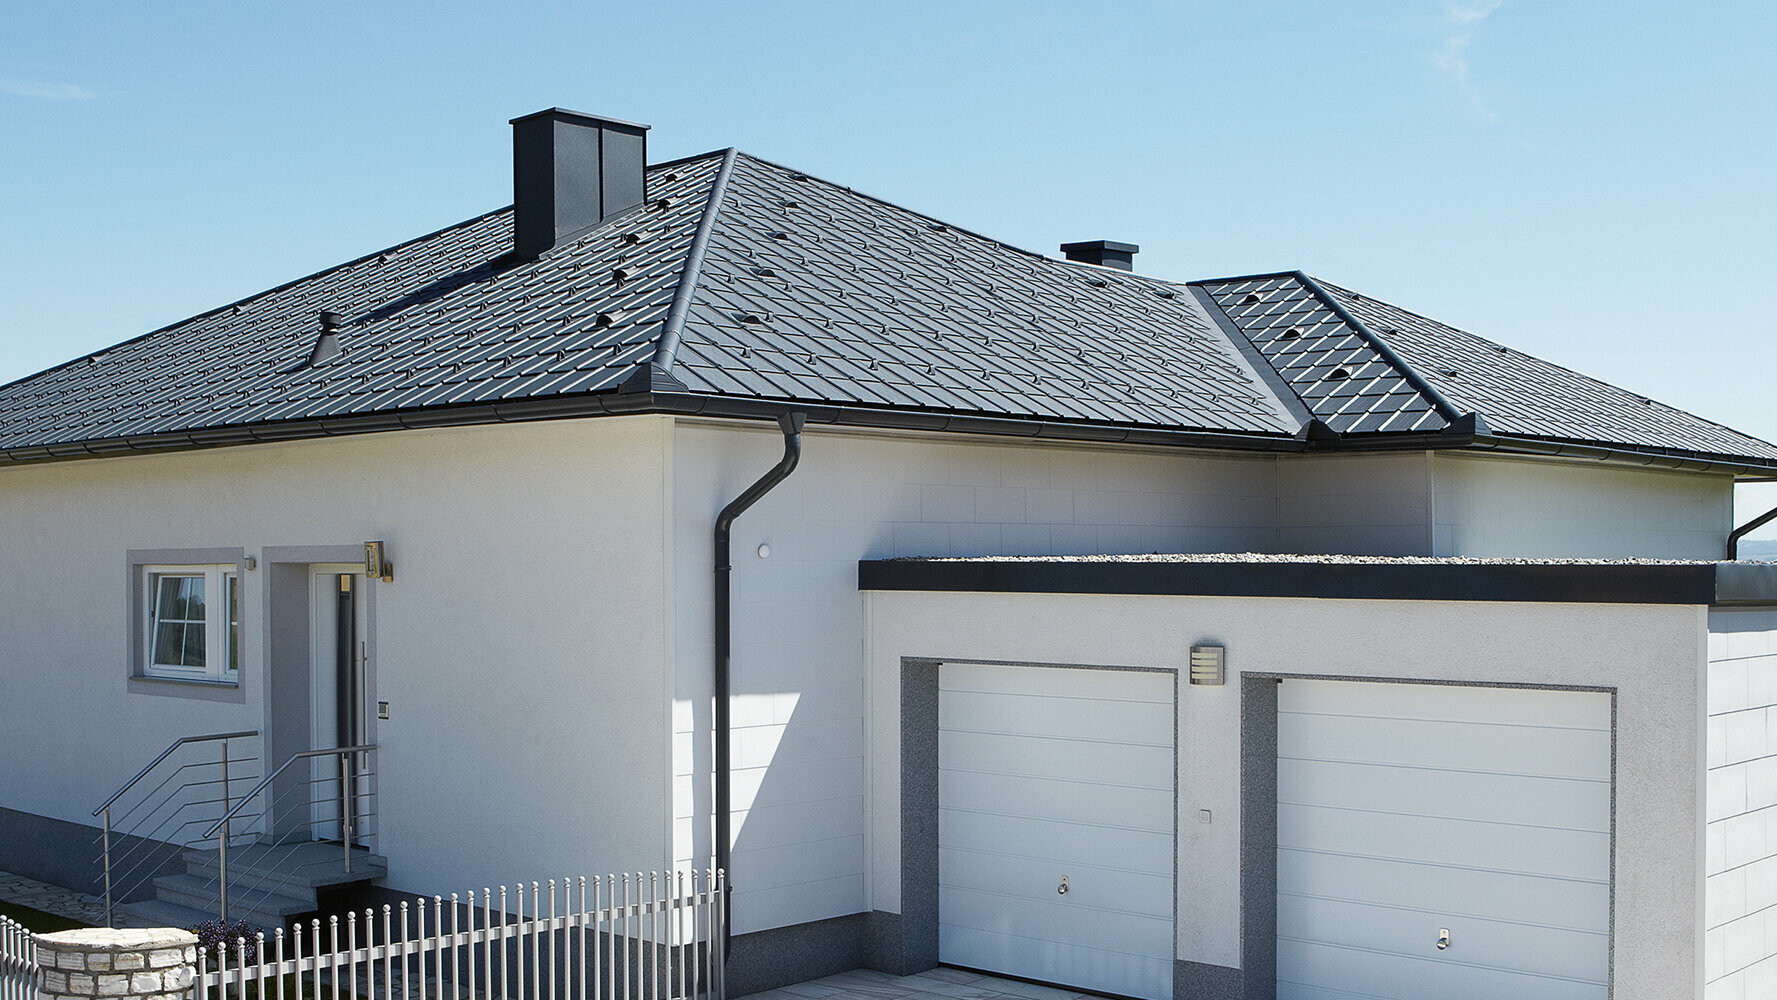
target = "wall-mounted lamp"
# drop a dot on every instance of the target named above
(1209, 665)
(375, 565)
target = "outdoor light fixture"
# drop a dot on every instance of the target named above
(1209, 665)
(376, 565)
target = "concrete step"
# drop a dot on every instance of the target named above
(261, 907)
(298, 868)
(159, 913)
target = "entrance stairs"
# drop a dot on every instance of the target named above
(267, 884)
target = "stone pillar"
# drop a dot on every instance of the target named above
(117, 964)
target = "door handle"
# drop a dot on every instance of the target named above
(1062, 888)
(1443, 938)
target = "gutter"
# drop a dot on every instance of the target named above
(1458, 436)
(791, 423)
(1750, 526)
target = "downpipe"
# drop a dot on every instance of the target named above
(792, 424)
(1750, 526)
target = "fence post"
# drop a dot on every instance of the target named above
(154, 964)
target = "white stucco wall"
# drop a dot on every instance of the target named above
(1377, 505)
(1741, 905)
(1653, 656)
(798, 678)
(523, 646)
(1516, 507)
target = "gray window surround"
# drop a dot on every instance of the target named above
(137, 679)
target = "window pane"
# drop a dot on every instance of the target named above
(169, 644)
(167, 603)
(192, 589)
(194, 645)
(234, 622)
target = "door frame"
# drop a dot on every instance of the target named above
(288, 724)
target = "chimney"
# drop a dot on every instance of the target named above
(570, 172)
(1103, 252)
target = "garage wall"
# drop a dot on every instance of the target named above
(1518, 507)
(1740, 911)
(1652, 655)
(798, 680)
(502, 645)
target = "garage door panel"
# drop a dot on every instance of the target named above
(1056, 682)
(1109, 972)
(1575, 804)
(1140, 766)
(1058, 718)
(1546, 951)
(1324, 970)
(1059, 919)
(1494, 846)
(1450, 703)
(1490, 895)
(1062, 843)
(1456, 746)
(1403, 809)
(1089, 886)
(1046, 799)
(1045, 772)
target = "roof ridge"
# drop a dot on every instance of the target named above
(1594, 380)
(1380, 346)
(672, 329)
(903, 208)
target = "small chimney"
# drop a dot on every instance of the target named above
(570, 172)
(1103, 252)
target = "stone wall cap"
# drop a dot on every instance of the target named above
(119, 939)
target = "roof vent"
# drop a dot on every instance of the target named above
(327, 344)
(1104, 253)
(570, 172)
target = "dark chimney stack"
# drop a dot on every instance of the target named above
(1103, 252)
(570, 172)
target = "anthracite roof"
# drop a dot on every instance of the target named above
(742, 287)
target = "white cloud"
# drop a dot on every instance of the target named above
(1465, 19)
(46, 91)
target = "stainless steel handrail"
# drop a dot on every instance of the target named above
(222, 824)
(168, 752)
(305, 755)
(105, 807)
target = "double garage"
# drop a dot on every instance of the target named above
(1383, 797)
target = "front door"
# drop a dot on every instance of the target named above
(337, 698)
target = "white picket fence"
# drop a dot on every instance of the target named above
(18, 962)
(640, 936)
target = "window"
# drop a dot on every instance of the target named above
(193, 619)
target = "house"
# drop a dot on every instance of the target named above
(1237, 638)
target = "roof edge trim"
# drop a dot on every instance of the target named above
(673, 328)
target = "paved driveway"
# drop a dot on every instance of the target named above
(933, 984)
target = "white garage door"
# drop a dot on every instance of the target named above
(1407, 809)
(1044, 774)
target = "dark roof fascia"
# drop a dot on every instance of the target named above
(1576, 583)
(1672, 459)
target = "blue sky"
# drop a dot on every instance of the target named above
(1587, 183)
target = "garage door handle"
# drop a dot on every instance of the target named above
(1443, 938)
(1062, 888)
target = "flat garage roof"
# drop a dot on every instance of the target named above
(1384, 578)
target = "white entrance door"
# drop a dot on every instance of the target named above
(1050, 777)
(1409, 810)
(336, 692)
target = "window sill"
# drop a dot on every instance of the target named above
(186, 681)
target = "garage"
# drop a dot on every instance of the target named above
(1442, 840)
(1056, 821)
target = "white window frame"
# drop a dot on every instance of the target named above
(221, 629)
